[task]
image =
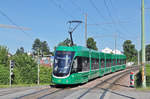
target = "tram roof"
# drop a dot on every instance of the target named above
(81, 48)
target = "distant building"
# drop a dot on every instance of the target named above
(107, 50)
(116, 52)
(29, 53)
(45, 60)
(9, 54)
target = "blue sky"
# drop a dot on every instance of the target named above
(48, 21)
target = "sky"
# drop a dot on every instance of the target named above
(47, 20)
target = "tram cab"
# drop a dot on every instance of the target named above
(62, 63)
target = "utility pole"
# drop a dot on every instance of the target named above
(10, 73)
(115, 42)
(11, 66)
(138, 43)
(138, 58)
(85, 30)
(38, 68)
(115, 37)
(143, 45)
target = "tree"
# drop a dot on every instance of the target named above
(36, 46)
(20, 50)
(44, 48)
(4, 56)
(66, 42)
(91, 44)
(130, 51)
(148, 52)
(41, 47)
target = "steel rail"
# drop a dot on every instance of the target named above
(101, 83)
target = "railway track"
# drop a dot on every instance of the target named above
(108, 83)
(40, 93)
(103, 84)
(14, 90)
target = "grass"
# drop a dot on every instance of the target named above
(24, 85)
(143, 89)
(148, 75)
(148, 70)
(138, 79)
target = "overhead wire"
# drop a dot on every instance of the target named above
(75, 4)
(118, 18)
(13, 23)
(83, 13)
(121, 26)
(62, 9)
(97, 10)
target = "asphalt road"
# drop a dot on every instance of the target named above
(79, 92)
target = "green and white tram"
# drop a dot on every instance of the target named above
(77, 64)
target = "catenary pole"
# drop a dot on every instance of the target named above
(85, 30)
(143, 45)
(10, 73)
(38, 68)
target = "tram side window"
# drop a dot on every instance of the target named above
(107, 62)
(121, 61)
(102, 63)
(110, 62)
(117, 61)
(124, 61)
(114, 62)
(85, 64)
(95, 64)
(74, 66)
(92, 64)
(80, 64)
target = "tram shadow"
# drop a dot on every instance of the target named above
(65, 86)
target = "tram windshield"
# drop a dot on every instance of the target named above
(62, 63)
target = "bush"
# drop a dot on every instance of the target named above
(4, 75)
(4, 65)
(138, 79)
(45, 74)
(4, 56)
(148, 74)
(25, 69)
